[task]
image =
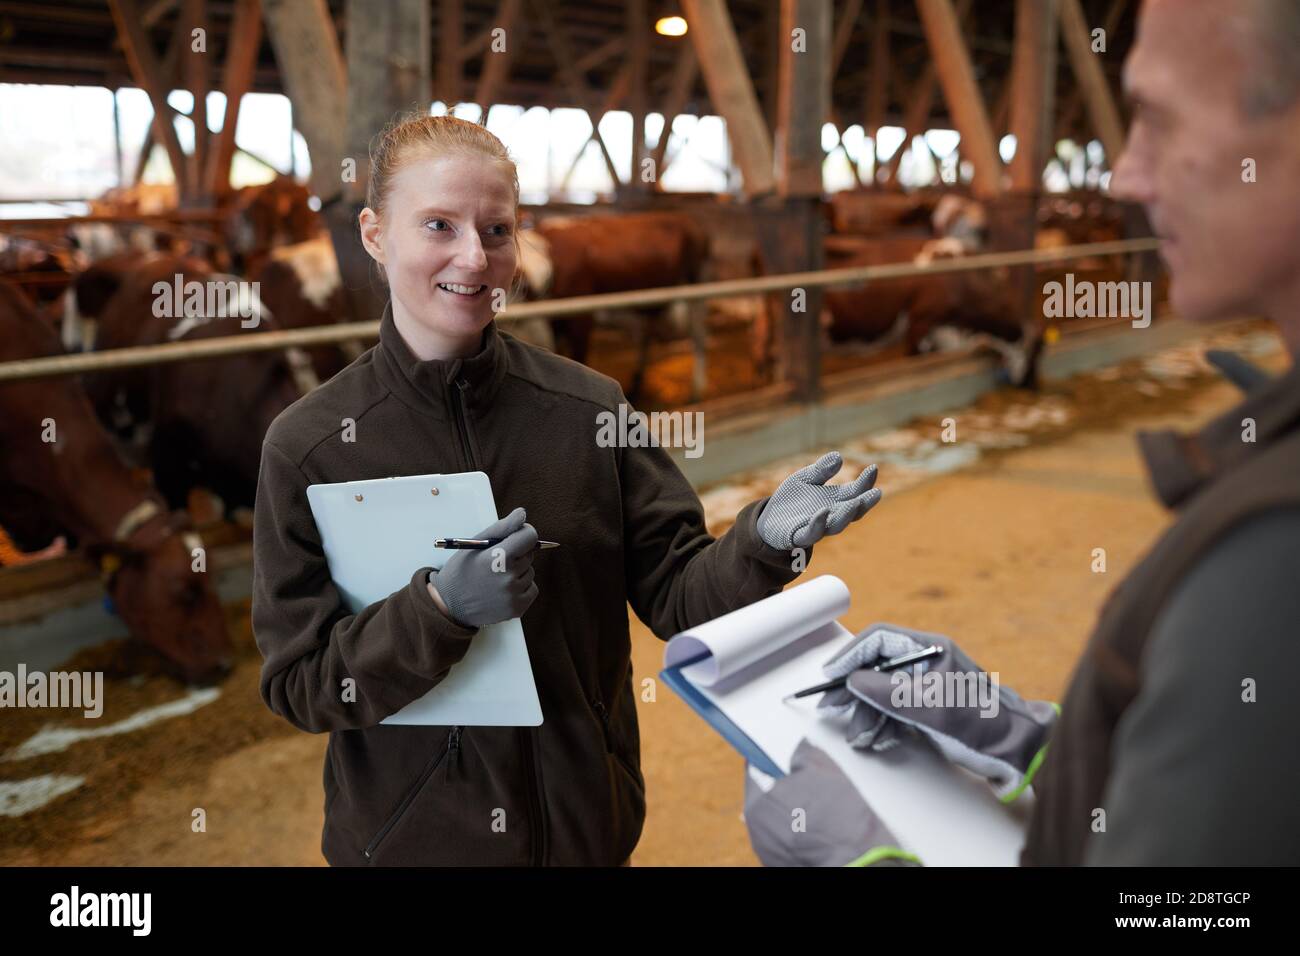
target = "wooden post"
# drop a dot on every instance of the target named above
(495, 69)
(732, 92)
(311, 70)
(960, 89)
(1033, 91)
(803, 106)
(638, 43)
(877, 94)
(1068, 119)
(147, 73)
(242, 43)
(388, 72)
(451, 36)
(1091, 78)
(196, 71)
(1014, 224)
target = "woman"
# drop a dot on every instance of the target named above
(445, 391)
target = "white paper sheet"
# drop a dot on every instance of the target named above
(946, 815)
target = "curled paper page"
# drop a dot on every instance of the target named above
(736, 640)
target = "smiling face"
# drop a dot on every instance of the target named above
(1230, 244)
(445, 238)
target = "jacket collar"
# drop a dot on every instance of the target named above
(1182, 464)
(427, 385)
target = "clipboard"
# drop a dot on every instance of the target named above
(375, 534)
(734, 671)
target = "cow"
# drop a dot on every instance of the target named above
(61, 475)
(100, 240)
(261, 218)
(301, 286)
(598, 254)
(878, 212)
(197, 423)
(945, 310)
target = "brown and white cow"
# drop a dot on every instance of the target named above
(60, 474)
(953, 310)
(267, 216)
(590, 255)
(301, 286)
(197, 423)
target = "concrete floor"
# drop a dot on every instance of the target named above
(995, 553)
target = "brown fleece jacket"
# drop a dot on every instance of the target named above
(571, 790)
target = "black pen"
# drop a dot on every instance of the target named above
(478, 544)
(911, 657)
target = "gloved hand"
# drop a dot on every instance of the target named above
(973, 720)
(868, 727)
(477, 595)
(804, 509)
(814, 816)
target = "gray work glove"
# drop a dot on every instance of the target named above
(974, 721)
(868, 727)
(814, 816)
(477, 593)
(804, 509)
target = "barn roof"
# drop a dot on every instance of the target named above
(75, 42)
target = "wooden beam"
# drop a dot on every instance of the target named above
(683, 81)
(805, 98)
(607, 50)
(577, 87)
(844, 28)
(496, 64)
(242, 43)
(451, 37)
(149, 75)
(311, 67)
(1093, 86)
(1068, 116)
(732, 92)
(636, 28)
(877, 92)
(196, 76)
(965, 103)
(1033, 92)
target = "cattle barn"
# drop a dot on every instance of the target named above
(796, 225)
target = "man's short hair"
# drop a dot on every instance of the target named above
(1270, 30)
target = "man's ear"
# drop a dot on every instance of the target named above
(371, 234)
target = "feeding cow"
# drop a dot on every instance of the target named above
(197, 423)
(940, 311)
(60, 474)
(591, 255)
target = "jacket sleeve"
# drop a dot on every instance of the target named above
(393, 651)
(677, 574)
(1205, 771)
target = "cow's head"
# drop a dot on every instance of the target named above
(166, 603)
(956, 217)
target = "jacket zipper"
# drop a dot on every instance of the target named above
(452, 744)
(536, 819)
(601, 712)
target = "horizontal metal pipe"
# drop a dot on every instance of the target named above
(332, 334)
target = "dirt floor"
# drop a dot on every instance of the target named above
(988, 539)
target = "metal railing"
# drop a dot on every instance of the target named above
(136, 356)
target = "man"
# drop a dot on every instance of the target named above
(1175, 742)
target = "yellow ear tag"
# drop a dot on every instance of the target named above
(109, 563)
